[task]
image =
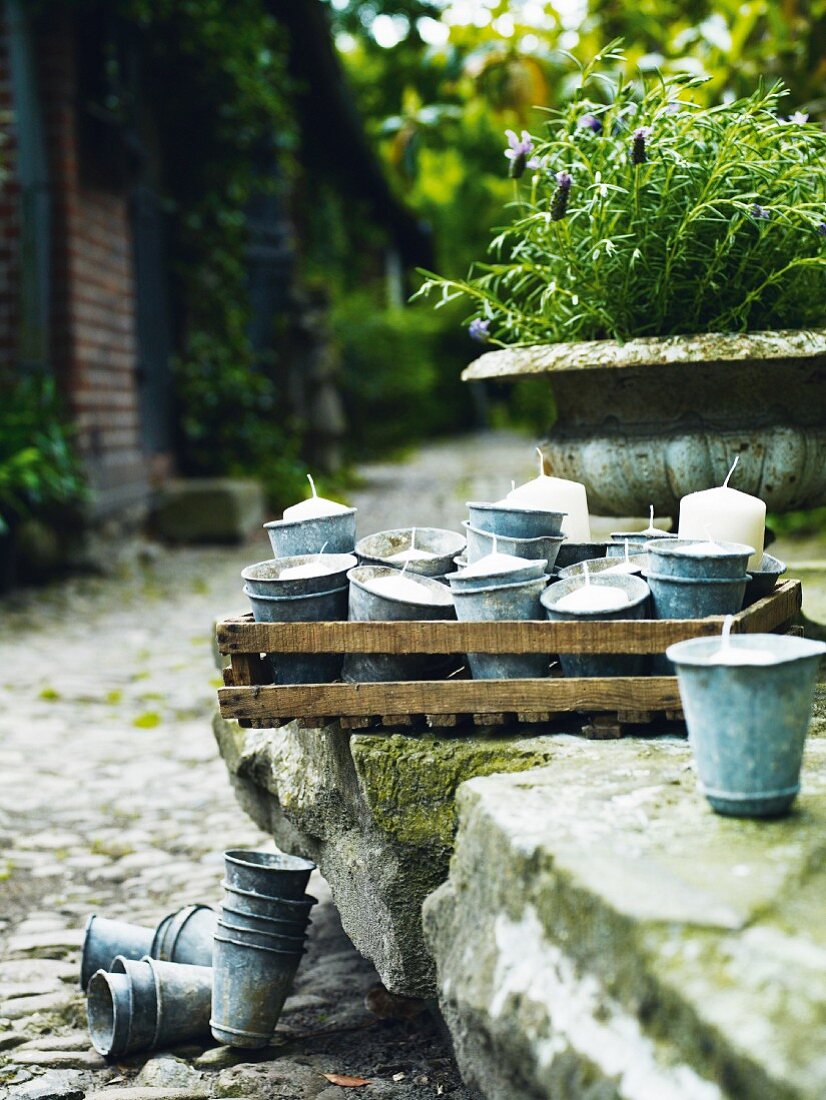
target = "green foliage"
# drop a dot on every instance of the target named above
(395, 389)
(38, 469)
(643, 213)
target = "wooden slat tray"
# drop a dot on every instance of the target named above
(250, 696)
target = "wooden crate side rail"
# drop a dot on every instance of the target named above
(241, 635)
(451, 697)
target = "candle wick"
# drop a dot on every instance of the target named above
(726, 637)
(731, 471)
(312, 484)
(323, 548)
(404, 567)
(513, 485)
(541, 461)
(587, 573)
(651, 518)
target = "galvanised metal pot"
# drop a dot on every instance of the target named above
(694, 597)
(532, 572)
(747, 724)
(246, 901)
(379, 548)
(513, 521)
(186, 936)
(302, 668)
(668, 558)
(504, 601)
(264, 578)
(120, 1013)
(104, 939)
(570, 553)
(369, 606)
(600, 565)
(763, 579)
(334, 534)
(277, 875)
(481, 543)
(250, 986)
(600, 664)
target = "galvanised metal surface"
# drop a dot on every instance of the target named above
(369, 606)
(747, 724)
(188, 936)
(603, 664)
(264, 577)
(515, 522)
(245, 901)
(572, 552)
(542, 548)
(694, 597)
(334, 534)
(637, 542)
(183, 995)
(270, 874)
(763, 579)
(250, 986)
(259, 922)
(262, 939)
(302, 668)
(648, 421)
(600, 565)
(104, 939)
(109, 1012)
(668, 558)
(504, 601)
(143, 1003)
(378, 548)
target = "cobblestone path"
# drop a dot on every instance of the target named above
(113, 799)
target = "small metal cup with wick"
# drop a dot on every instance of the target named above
(748, 703)
(313, 523)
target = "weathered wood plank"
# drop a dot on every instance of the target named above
(618, 636)
(451, 697)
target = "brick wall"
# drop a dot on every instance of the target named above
(9, 212)
(93, 318)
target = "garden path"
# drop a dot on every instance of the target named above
(113, 799)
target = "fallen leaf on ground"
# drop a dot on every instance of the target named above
(344, 1081)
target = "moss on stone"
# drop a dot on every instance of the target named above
(409, 783)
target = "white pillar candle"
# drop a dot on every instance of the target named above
(400, 588)
(556, 494)
(314, 506)
(725, 514)
(593, 597)
(412, 553)
(728, 654)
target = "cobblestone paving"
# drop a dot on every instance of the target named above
(112, 799)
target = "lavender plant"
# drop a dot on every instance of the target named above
(641, 213)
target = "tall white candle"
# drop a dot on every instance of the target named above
(314, 506)
(725, 514)
(556, 494)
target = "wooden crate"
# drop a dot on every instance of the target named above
(252, 698)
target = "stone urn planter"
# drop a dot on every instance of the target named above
(650, 420)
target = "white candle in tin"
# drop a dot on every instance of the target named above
(728, 654)
(496, 563)
(412, 553)
(309, 569)
(593, 597)
(400, 587)
(728, 514)
(555, 494)
(314, 506)
(625, 566)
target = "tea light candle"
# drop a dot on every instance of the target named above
(495, 563)
(400, 587)
(592, 597)
(727, 514)
(727, 654)
(412, 553)
(313, 507)
(555, 494)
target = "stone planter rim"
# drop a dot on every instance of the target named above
(512, 363)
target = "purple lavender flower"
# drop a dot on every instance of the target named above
(760, 212)
(518, 153)
(638, 152)
(559, 203)
(590, 122)
(538, 162)
(674, 107)
(822, 229)
(478, 330)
